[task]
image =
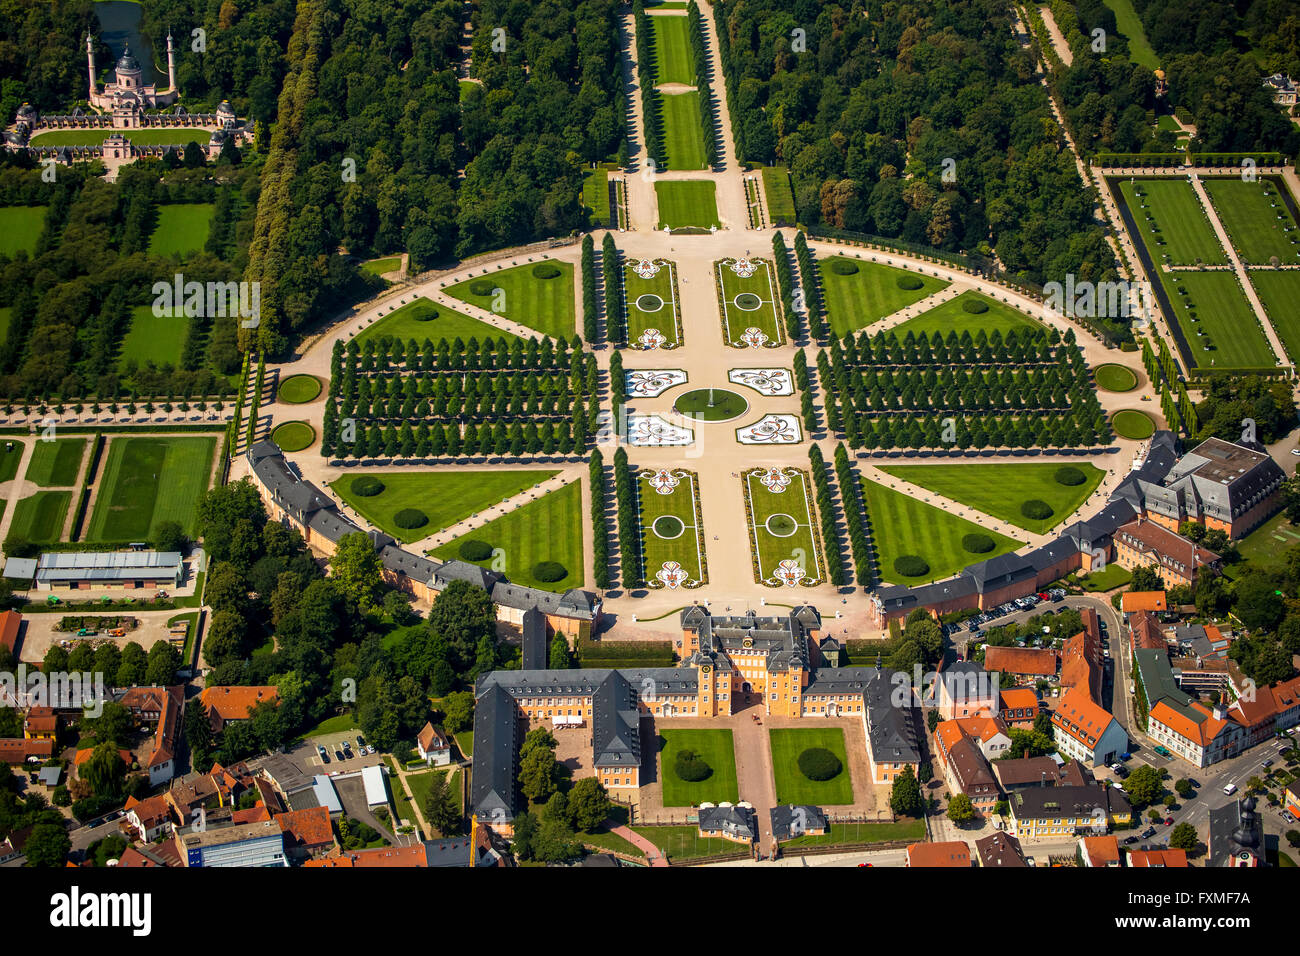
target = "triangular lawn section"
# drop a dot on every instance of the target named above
(544, 304)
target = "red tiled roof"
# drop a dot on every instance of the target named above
(1143, 601)
(405, 856)
(431, 738)
(235, 703)
(951, 854)
(1166, 547)
(150, 811)
(85, 754)
(1036, 662)
(1102, 850)
(10, 623)
(1146, 632)
(1018, 698)
(1079, 717)
(18, 749)
(1081, 664)
(308, 829)
(1147, 858)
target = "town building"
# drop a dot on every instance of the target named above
(1282, 88)
(157, 709)
(1046, 812)
(1100, 851)
(737, 823)
(1001, 850)
(242, 845)
(1082, 658)
(1291, 801)
(148, 819)
(1158, 859)
(1152, 602)
(225, 704)
(965, 689)
(789, 821)
(432, 746)
(950, 854)
(1087, 732)
(129, 570)
(1021, 664)
(308, 833)
(1020, 773)
(1018, 707)
(1179, 561)
(11, 626)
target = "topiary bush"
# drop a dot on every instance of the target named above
(473, 549)
(1036, 509)
(367, 486)
(550, 571)
(481, 287)
(1069, 475)
(911, 566)
(975, 306)
(426, 315)
(844, 267)
(691, 767)
(909, 283)
(977, 543)
(818, 763)
(409, 518)
(545, 270)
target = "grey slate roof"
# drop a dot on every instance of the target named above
(790, 821)
(784, 640)
(536, 650)
(615, 724)
(891, 731)
(496, 752)
(739, 822)
(1235, 828)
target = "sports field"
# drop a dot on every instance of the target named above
(672, 540)
(1258, 222)
(1000, 489)
(548, 529)
(154, 338)
(870, 291)
(782, 528)
(20, 227)
(445, 497)
(674, 59)
(687, 204)
(526, 297)
(903, 525)
(1217, 320)
(147, 481)
(55, 463)
(679, 117)
(175, 136)
(1173, 223)
(749, 302)
(651, 302)
(792, 786)
(1279, 291)
(39, 518)
(182, 228)
(955, 316)
(715, 748)
(422, 319)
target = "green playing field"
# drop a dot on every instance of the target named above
(749, 302)
(782, 527)
(687, 204)
(147, 481)
(679, 115)
(670, 528)
(674, 59)
(39, 517)
(55, 464)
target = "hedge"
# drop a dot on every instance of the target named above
(474, 549)
(818, 763)
(367, 486)
(410, 518)
(1036, 509)
(977, 543)
(550, 571)
(911, 565)
(691, 767)
(1070, 476)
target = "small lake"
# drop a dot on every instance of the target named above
(119, 25)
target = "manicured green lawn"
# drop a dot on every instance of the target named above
(1133, 424)
(1232, 336)
(685, 843)
(679, 116)
(1129, 25)
(39, 518)
(1264, 546)
(548, 529)
(687, 203)
(1176, 210)
(11, 456)
(422, 319)
(422, 782)
(339, 724)
(293, 436)
(782, 527)
(750, 302)
(1111, 576)
(299, 389)
(668, 528)
(674, 59)
(20, 228)
(595, 194)
(1000, 489)
(175, 136)
(870, 293)
(711, 404)
(1115, 378)
(55, 463)
(154, 338)
(147, 481)
(1279, 291)
(379, 267)
(791, 784)
(445, 496)
(952, 316)
(546, 305)
(901, 524)
(912, 830)
(715, 748)
(652, 303)
(182, 228)
(778, 193)
(1258, 222)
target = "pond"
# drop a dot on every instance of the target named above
(119, 25)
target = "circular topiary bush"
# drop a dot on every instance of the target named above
(911, 566)
(1035, 509)
(409, 518)
(975, 306)
(367, 486)
(545, 270)
(818, 763)
(481, 287)
(474, 549)
(691, 767)
(909, 283)
(427, 315)
(844, 267)
(550, 571)
(1069, 475)
(977, 543)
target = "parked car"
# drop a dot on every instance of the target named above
(338, 755)
(1287, 817)
(361, 743)
(324, 754)
(1266, 764)
(1162, 751)
(346, 748)
(1130, 840)
(1148, 833)
(1169, 821)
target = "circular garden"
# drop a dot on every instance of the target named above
(1115, 378)
(1132, 424)
(711, 404)
(299, 389)
(293, 436)
(747, 302)
(781, 525)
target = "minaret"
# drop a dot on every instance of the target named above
(171, 64)
(90, 59)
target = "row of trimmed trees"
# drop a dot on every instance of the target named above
(701, 51)
(826, 510)
(599, 532)
(629, 552)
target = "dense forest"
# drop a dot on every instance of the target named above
(42, 55)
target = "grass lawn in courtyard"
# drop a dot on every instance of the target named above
(548, 529)
(154, 338)
(651, 301)
(11, 456)
(293, 436)
(782, 532)
(778, 193)
(1115, 378)
(147, 481)
(20, 227)
(849, 833)
(715, 748)
(544, 304)
(1257, 219)
(1216, 305)
(39, 517)
(379, 267)
(749, 302)
(792, 786)
(422, 319)
(669, 530)
(55, 463)
(869, 292)
(1182, 223)
(446, 497)
(685, 843)
(674, 58)
(163, 136)
(1129, 26)
(687, 204)
(954, 316)
(299, 389)
(1110, 577)
(1000, 489)
(903, 525)
(595, 194)
(182, 228)
(679, 118)
(337, 727)
(1132, 424)
(1279, 291)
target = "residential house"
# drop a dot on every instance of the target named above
(1054, 812)
(951, 854)
(148, 819)
(41, 723)
(967, 771)
(1000, 849)
(1083, 660)
(1022, 664)
(1018, 706)
(225, 704)
(432, 746)
(789, 821)
(16, 750)
(1100, 851)
(965, 689)
(1145, 632)
(307, 833)
(1134, 601)
(1024, 772)
(738, 823)
(1158, 859)
(158, 709)
(11, 626)
(1085, 731)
